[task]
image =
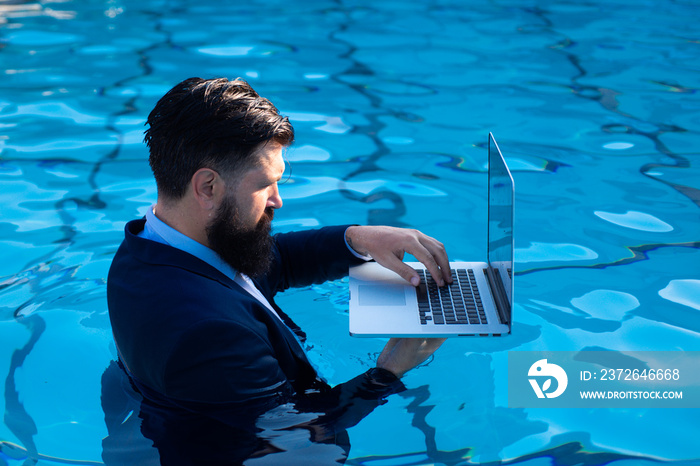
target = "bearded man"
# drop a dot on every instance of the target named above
(191, 289)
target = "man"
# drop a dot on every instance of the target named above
(191, 289)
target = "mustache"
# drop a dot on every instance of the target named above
(268, 214)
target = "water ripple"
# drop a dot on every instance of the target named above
(685, 292)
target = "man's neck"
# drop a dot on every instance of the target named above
(179, 217)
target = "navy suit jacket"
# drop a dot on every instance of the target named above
(194, 341)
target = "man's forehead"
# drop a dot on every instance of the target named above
(271, 155)
(270, 162)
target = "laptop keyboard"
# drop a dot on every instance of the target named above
(458, 303)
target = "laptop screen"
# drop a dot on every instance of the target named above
(500, 231)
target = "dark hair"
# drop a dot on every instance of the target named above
(213, 123)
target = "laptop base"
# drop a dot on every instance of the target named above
(384, 305)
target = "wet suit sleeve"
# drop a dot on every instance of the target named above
(310, 257)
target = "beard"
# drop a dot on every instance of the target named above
(248, 250)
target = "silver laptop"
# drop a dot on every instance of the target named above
(478, 302)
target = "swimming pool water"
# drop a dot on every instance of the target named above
(594, 104)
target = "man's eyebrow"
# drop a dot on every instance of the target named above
(277, 178)
(271, 180)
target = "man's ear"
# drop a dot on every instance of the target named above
(208, 188)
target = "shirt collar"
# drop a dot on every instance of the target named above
(157, 230)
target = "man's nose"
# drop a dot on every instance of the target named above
(275, 200)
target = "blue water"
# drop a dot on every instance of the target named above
(595, 105)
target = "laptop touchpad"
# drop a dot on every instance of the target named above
(381, 295)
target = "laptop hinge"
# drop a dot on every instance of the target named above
(498, 292)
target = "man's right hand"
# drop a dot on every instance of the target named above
(387, 246)
(403, 354)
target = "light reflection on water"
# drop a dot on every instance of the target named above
(594, 105)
